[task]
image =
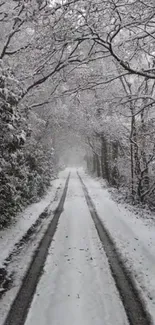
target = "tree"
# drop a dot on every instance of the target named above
(57, 62)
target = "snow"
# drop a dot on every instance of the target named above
(76, 286)
(20, 262)
(134, 238)
(10, 236)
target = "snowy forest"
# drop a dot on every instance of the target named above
(77, 78)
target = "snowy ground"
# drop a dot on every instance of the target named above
(77, 286)
(134, 238)
(10, 236)
(13, 234)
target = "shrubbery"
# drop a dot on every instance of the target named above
(25, 168)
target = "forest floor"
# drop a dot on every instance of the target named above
(88, 260)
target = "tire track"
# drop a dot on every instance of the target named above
(133, 304)
(20, 306)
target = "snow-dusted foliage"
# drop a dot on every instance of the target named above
(25, 166)
(27, 161)
(12, 138)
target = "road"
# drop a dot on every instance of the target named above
(78, 284)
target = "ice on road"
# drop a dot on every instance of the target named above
(76, 286)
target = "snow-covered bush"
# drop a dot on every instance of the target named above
(12, 138)
(25, 167)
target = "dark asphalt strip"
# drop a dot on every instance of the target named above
(21, 304)
(133, 304)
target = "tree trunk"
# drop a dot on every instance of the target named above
(104, 159)
(135, 161)
(98, 166)
(114, 171)
(132, 154)
(145, 174)
(94, 163)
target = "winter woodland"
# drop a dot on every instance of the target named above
(76, 73)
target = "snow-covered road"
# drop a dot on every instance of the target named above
(76, 286)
